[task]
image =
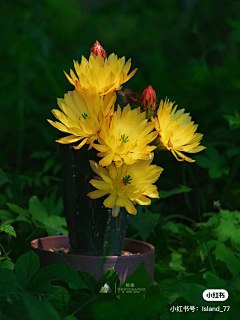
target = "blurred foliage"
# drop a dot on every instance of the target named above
(203, 256)
(188, 51)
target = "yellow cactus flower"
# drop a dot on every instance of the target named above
(176, 131)
(125, 137)
(100, 75)
(126, 185)
(82, 116)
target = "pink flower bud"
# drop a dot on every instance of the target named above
(97, 49)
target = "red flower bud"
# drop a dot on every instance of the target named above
(148, 99)
(97, 49)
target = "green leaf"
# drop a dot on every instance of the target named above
(36, 209)
(144, 222)
(167, 193)
(54, 222)
(40, 155)
(48, 164)
(3, 177)
(177, 227)
(226, 255)
(58, 296)
(8, 283)
(57, 272)
(224, 230)
(8, 192)
(176, 262)
(228, 227)
(5, 215)
(90, 281)
(234, 151)
(192, 293)
(212, 221)
(213, 282)
(235, 35)
(3, 200)
(49, 202)
(26, 266)
(212, 161)
(132, 306)
(17, 209)
(139, 279)
(39, 310)
(8, 229)
(7, 264)
(110, 277)
(169, 289)
(234, 283)
(171, 226)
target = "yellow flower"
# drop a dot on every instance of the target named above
(176, 131)
(82, 116)
(126, 185)
(99, 75)
(125, 138)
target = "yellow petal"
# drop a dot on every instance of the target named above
(180, 154)
(81, 144)
(112, 171)
(110, 201)
(69, 78)
(143, 201)
(197, 149)
(101, 185)
(97, 194)
(68, 139)
(97, 168)
(121, 201)
(59, 126)
(130, 207)
(107, 160)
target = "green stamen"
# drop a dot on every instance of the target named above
(84, 115)
(127, 179)
(123, 138)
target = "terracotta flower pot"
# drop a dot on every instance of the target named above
(124, 265)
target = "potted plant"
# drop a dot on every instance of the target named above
(107, 138)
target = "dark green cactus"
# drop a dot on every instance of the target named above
(92, 229)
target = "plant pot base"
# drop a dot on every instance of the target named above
(124, 265)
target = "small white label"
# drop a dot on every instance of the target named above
(215, 295)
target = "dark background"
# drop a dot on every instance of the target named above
(187, 50)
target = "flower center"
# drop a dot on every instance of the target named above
(125, 181)
(123, 138)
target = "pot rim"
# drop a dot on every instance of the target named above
(150, 246)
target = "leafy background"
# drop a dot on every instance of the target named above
(189, 52)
